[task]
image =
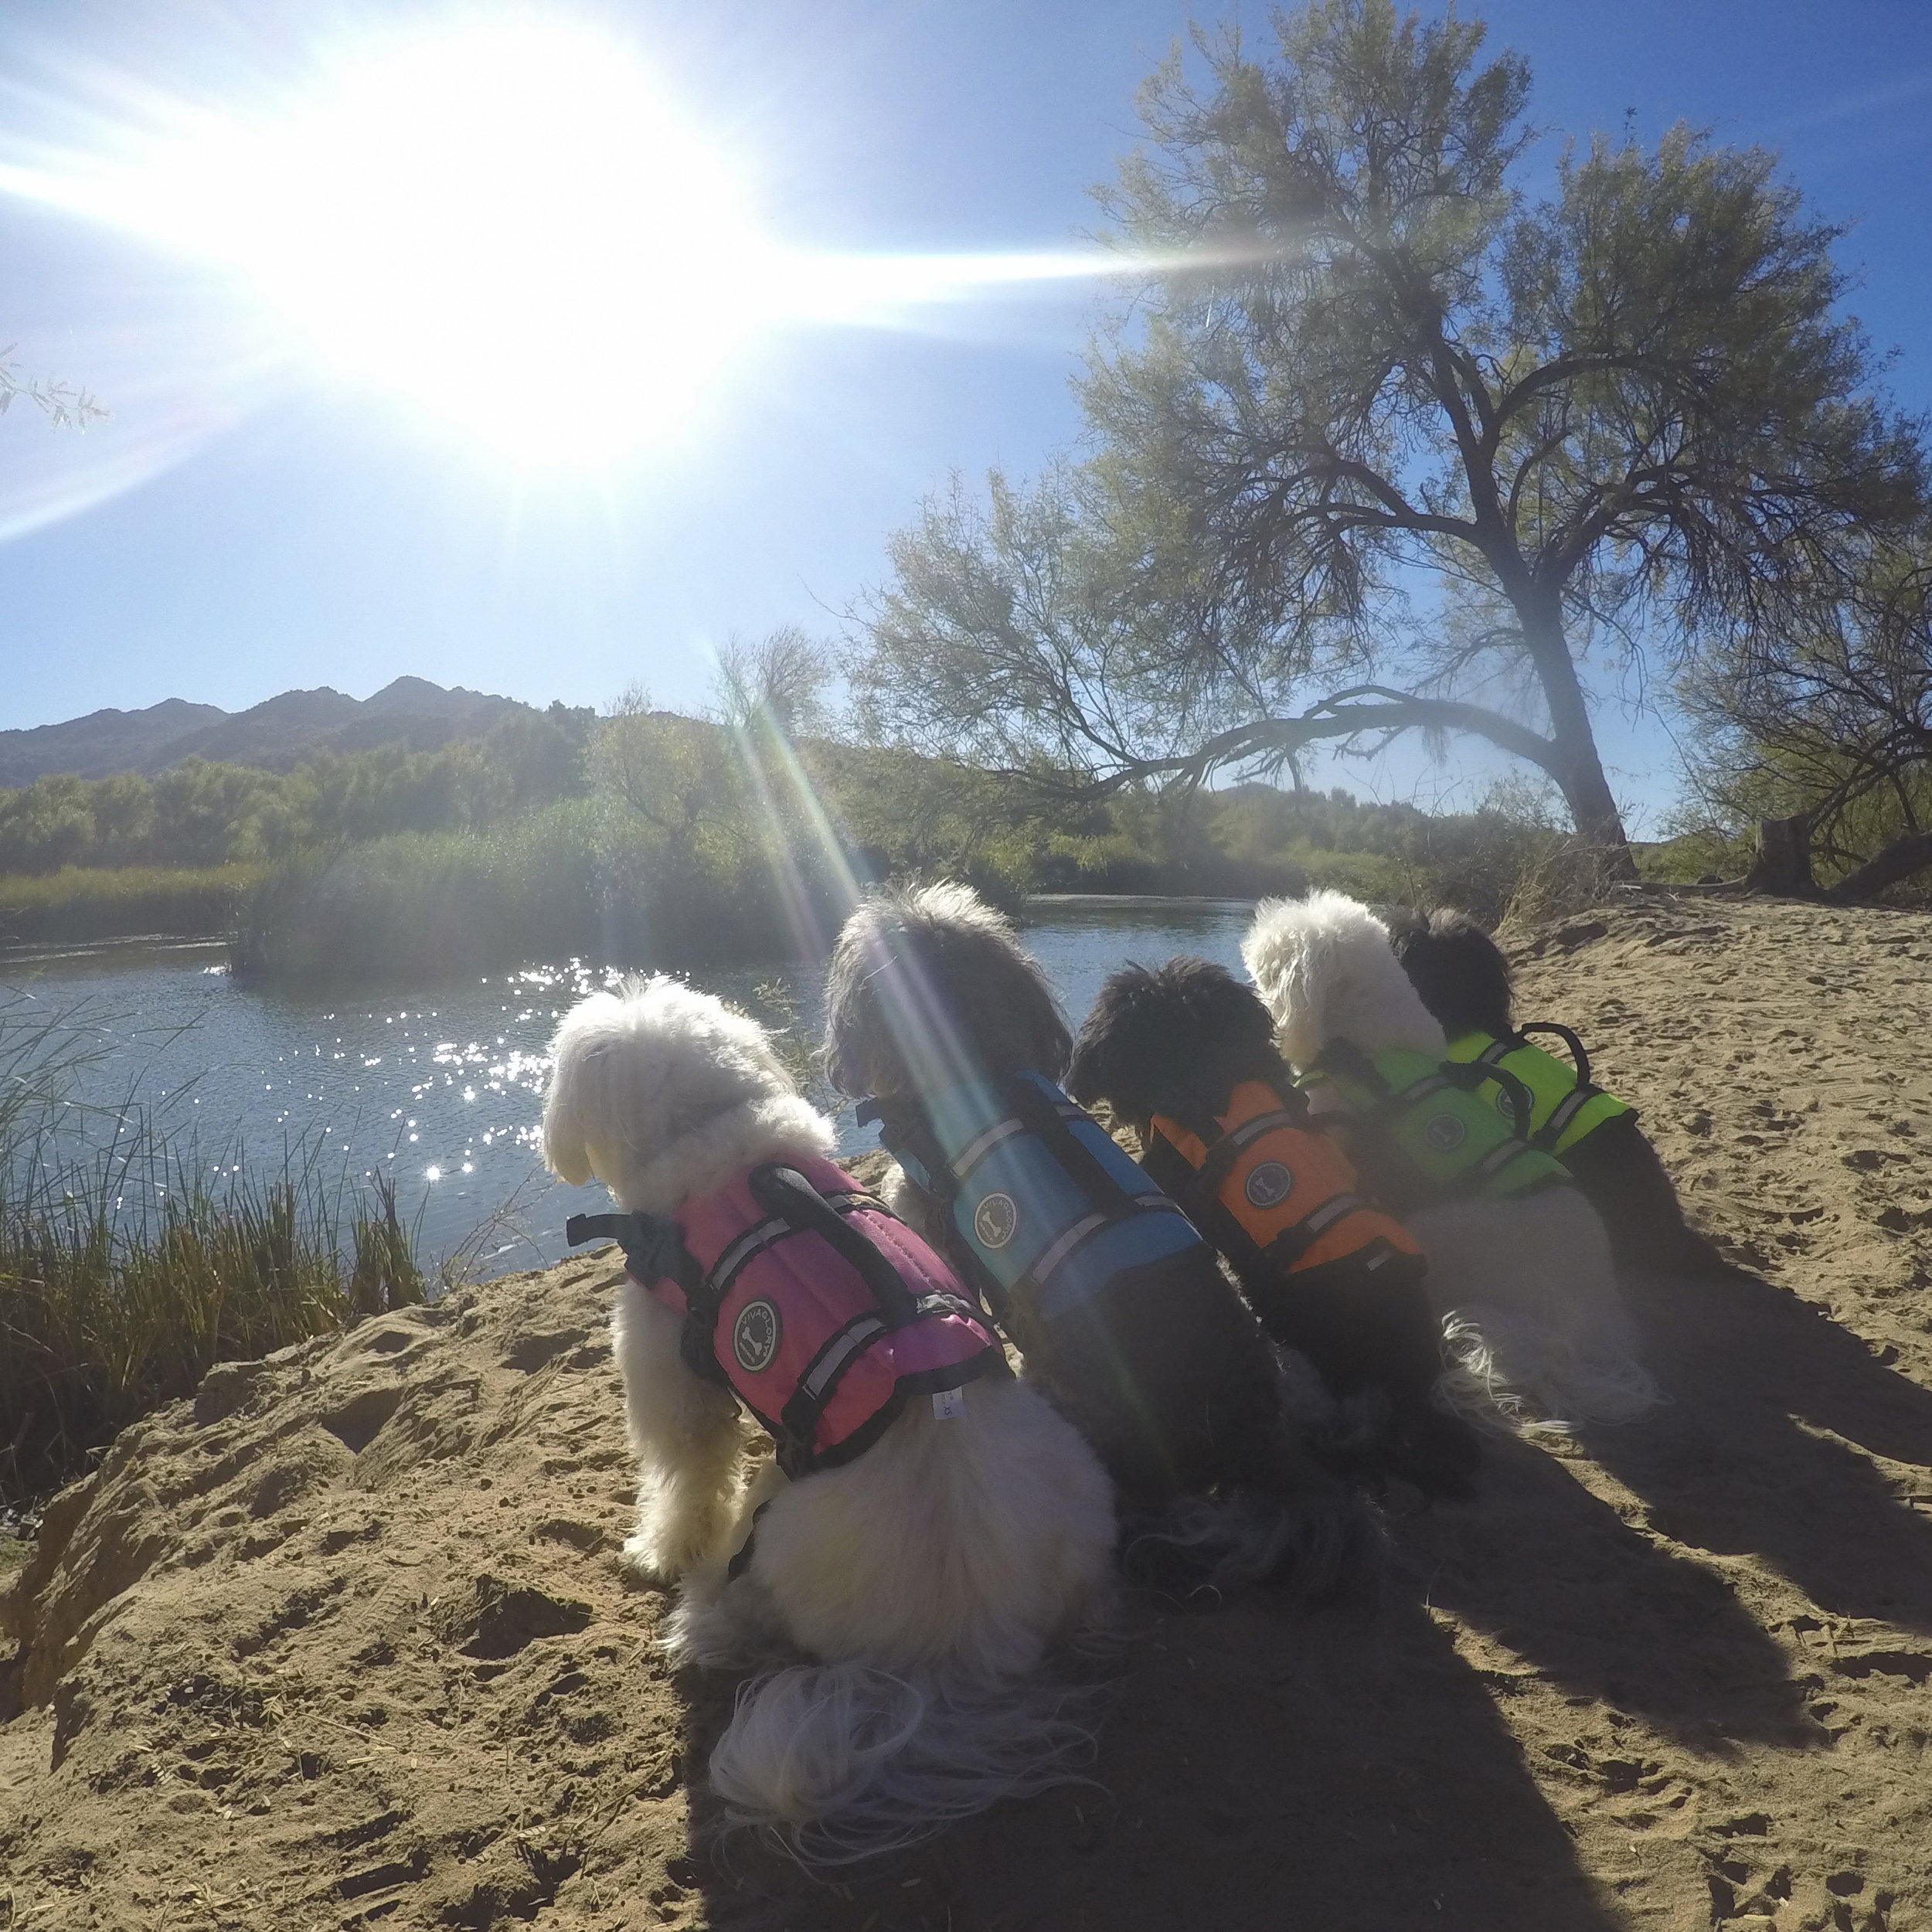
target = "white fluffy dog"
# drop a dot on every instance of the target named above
(929, 1576)
(1536, 1332)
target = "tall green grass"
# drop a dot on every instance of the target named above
(79, 902)
(130, 1265)
(575, 878)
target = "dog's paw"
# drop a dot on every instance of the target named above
(648, 1562)
(661, 1552)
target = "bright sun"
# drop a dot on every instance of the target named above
(500, 218)
(504, 221)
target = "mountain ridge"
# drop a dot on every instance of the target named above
(274, 735)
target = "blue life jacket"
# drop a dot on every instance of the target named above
(1048, 1209)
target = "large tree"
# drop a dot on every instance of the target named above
(1380, 445)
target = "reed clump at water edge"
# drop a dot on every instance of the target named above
(128, 1267)
(81, 903)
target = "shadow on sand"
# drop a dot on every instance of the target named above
(1552, 1574)
(1257, 1770)
(1768, 1446)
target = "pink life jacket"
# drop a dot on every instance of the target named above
(817, 1307)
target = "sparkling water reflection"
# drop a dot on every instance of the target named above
(443, 1090)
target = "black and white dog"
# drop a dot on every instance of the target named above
(1465, 982)
(1185, 1054)
(938, 1017)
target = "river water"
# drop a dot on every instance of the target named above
(443, 1089)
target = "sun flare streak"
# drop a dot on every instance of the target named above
(504, 221)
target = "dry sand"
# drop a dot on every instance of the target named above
(345, 1640)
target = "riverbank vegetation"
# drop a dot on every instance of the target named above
(80, 903)
(657, 839)
(1348, 473)
(132, 1260)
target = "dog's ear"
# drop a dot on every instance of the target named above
(1051, 1044)
(1089, 1073)
(1099, 1068)
(852, 1015)
(572, 1107)
(1272, 950)
(1457, 969)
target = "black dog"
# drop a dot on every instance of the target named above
(1186, 1054)
(1464, 981)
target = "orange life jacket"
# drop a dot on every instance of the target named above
(1289, 1191)
(1329, 1274)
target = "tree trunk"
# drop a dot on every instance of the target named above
(1898, 860)
(1586, 791)
(1783, 861)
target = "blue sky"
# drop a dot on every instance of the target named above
(259, 527)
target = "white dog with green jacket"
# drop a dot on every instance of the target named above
(1520, 1268)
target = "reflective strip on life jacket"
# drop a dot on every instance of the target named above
(820, 1310)
(1430, 1113)
(1285, 1186)
(1048, 1206)
(1567, 1104)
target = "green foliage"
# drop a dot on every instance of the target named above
(128, 1268)
(80, 903)
(1628, 422)
(200, 815)
(1830, 720)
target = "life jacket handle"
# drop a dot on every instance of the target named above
(1570, 1040)
(785, 1193)
(1471, 1074)
(1343, 1056)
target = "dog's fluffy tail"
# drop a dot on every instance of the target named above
(832, 1762)
(1512, 1375)
(1317, 1548)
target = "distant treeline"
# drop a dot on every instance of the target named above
(659, 839)
(203, 814)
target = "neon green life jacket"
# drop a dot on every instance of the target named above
(1566, 1105)
(1434, 1114)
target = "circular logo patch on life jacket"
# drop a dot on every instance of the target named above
(1506, 1107)
(1269, 1186)
(994, 1219)
(1444, 1132)
(754, 1335)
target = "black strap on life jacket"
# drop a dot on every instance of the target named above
(1224, 1149)
(1199, 1192)
(1344, 1057)
(1050, 1122)
(1570, 1040)
(1572, 1103)
(1291, 1243)
(655, 1250)
(794, 1203)
(784, 1192)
